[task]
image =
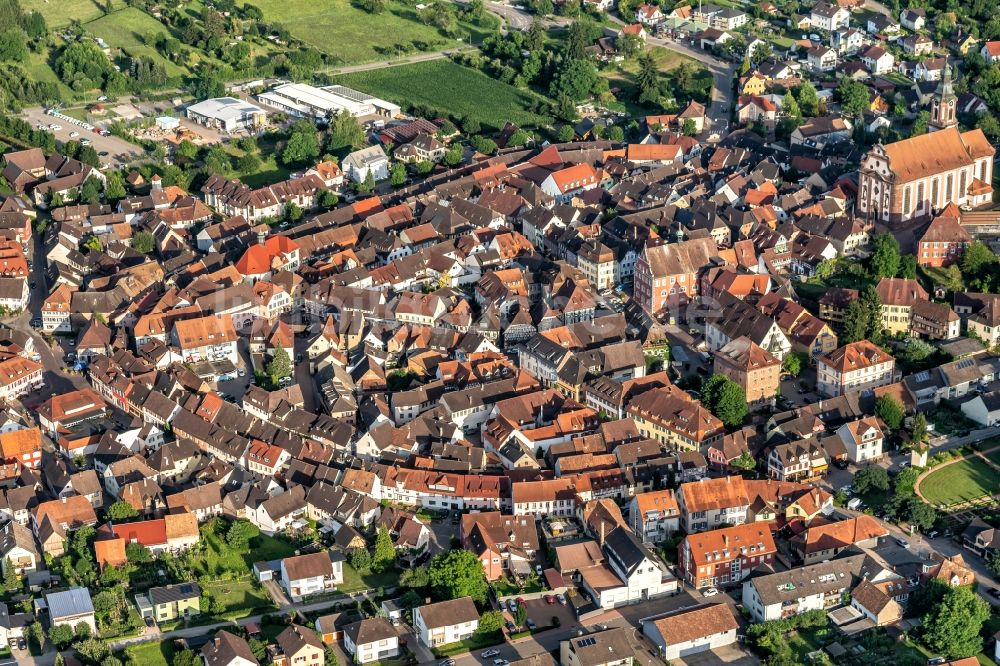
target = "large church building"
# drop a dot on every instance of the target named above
(917, 177)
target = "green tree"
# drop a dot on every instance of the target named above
(186, 658)
(397, 175)
(373, 6)
(790, 106)
(873, 311)
(520, 615)
(143, 241)
(303, 144)
(566, 134)
(483, 145)
(137, 553)
(13, 45)
(871, 477)
(328, 199)
(81, 631)
(293, 212)
(11, 582)
(890, 411)
(280, 365)
(92, 244)
(453, 157)
(330, 657)
(91, 190)
(976, 259)
(519, 138)
(731, 404)
(908, 267)
(61, 635)
(458, 573)
(240, 533)
(688, 127)
(120, 510)
(855, 322)
(648, 79)
(853, 96)
(952, 627)
(93, 650)
(115, 188)
(808, 99)
(490, 622)
(416, 578)
(920, 514)
(920, 123)
(744, 461)
(918, 430)
(384, 556)
(187, 150)
(361, 560)
(345, 132)
(885, 257)
(795, 363)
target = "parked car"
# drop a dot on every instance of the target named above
(549, 599)
(538, 569)
(902, 542)
(531, 624)
(561, 598)
(490, 653)
(500, 662)
(994, 592)
(512, 605)
(709, 592)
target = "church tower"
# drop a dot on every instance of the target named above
(943, 104)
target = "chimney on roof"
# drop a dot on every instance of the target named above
(602, 532)
(261, 235)
(63, 499)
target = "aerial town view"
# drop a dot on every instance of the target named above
(499, 333)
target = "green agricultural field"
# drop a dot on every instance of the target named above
(353, 35)
(59, 13)
(963, 481)
(450, 88)
(128, 29)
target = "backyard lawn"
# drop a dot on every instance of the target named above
(353, 35)
(151, 654)
(238, 599)
(960, 482)
(353, 581)
(218, 557)
(449, 88)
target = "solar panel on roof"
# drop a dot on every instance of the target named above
(585, 642)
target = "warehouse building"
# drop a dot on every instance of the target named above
(303, 100)
(228, 114)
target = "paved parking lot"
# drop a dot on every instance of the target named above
(118, 150)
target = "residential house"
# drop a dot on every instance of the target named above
(692, 630)
(755, 370)
(445, 622)
(314, 573)
(70, 608)
(298, 646)
(857, 366)
(502, 543)
(654, 516)
(609, 647)
(863, 439)
(371, 639)
(226, 649)
(725, 556)
(829, 16)
(667, 275)
(172, 602)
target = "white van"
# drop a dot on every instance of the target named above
(854, 504)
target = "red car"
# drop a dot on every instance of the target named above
(549, 599)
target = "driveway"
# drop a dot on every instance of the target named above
(277, 594)
(731, 655)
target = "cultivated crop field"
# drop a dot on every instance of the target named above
(447, 87)
(960, 482)
(353, 35)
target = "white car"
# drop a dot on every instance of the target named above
(74, 134)
(709, 592)
(55, 128)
